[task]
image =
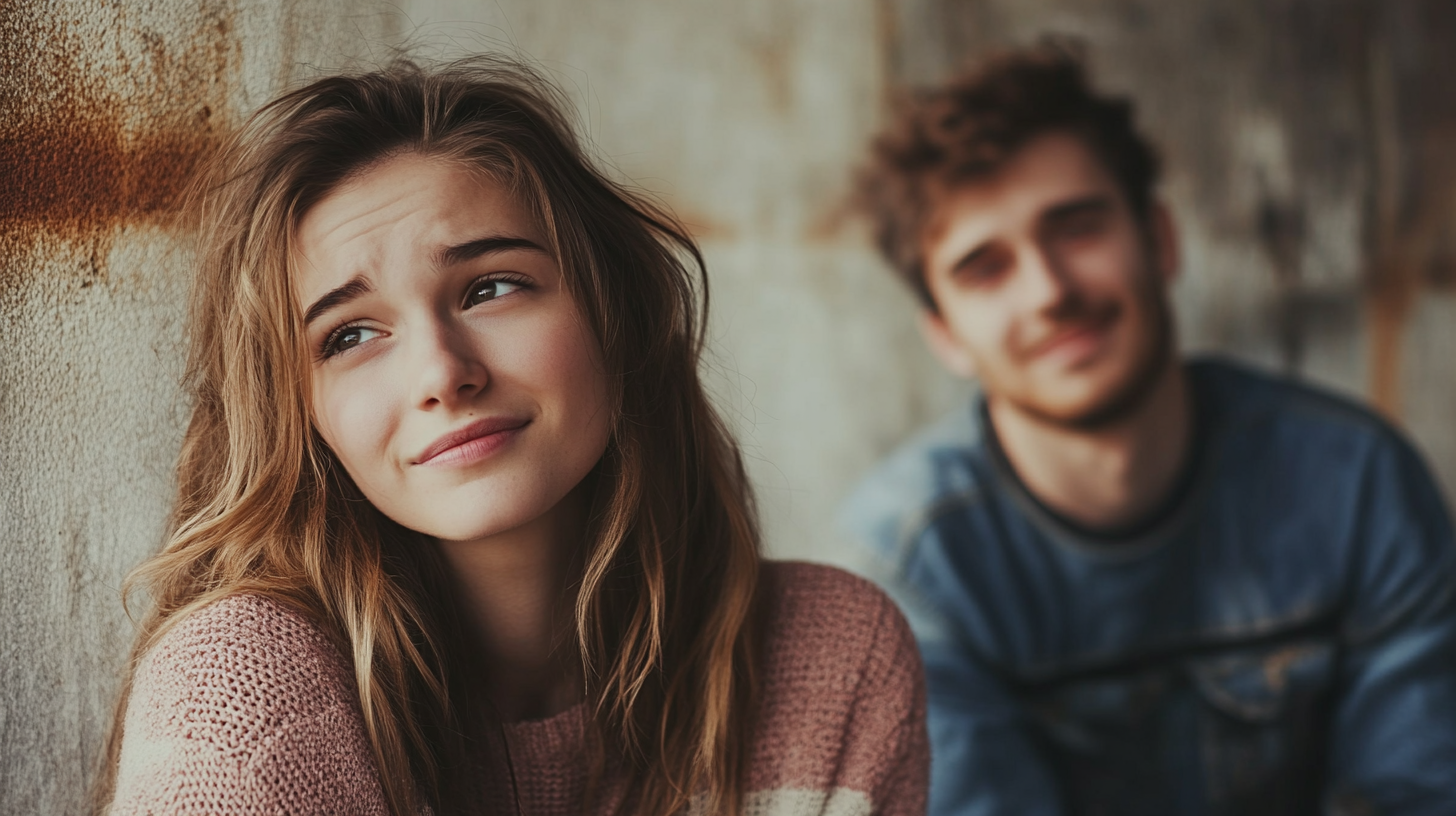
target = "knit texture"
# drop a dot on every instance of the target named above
(246, 707)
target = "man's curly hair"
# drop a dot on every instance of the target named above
(966, 129)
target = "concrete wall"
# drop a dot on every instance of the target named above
(1297, 163)
(103, 109)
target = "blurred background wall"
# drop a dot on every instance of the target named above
(1312, 170)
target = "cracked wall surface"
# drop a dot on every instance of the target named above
(1307, 171)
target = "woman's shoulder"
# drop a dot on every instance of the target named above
(842, 701)
(817, 601)
(241, 704)
(259, 622)
(825, 625)
(263, 655)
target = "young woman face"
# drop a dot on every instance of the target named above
(452, 373)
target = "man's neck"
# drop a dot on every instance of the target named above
(1114, 476)
(510, 588)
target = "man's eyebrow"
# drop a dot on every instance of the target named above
(484, 246)
(1090, 203)
(1094, 202)
(356, 287)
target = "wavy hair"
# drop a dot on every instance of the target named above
(665, 596)
(965, 130)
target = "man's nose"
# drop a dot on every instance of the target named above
(450, 368)
(1044, 284)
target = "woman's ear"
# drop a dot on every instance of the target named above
(945, 345)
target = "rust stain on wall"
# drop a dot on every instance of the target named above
(704, 227)
(104, 116)
(83, 173)
(772, 53)
(1413, 195)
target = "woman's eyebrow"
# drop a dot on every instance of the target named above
(484, 246)
(356, 287)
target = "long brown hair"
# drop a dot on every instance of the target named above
(665, 597)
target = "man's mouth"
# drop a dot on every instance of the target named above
(1074, 339)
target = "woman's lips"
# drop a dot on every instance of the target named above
(473, 442)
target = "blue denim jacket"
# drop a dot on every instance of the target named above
(1280, 639)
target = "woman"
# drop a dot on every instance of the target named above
(456, 525)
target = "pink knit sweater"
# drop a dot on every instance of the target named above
(245, 707)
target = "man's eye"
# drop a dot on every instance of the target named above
(982, 270)
(483, 290)
(348, 337)
(1083, 225)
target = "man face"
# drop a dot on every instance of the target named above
(1048, 288)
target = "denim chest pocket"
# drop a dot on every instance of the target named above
(1262, 725)
(1233, 733)
(1106, 739)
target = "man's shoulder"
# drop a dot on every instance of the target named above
(1249, 399)
(921, 478)
(1334, 478)
(1341, 468)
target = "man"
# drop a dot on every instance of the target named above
(1140, 585)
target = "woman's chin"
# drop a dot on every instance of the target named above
(481, 525)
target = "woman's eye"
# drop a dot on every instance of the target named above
(483, 290)
(348, 337)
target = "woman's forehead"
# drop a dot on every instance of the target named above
(406, 209)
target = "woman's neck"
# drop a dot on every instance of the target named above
(510, 588)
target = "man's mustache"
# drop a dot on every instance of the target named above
(1071, 316)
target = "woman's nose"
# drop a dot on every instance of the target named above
(449, 368)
